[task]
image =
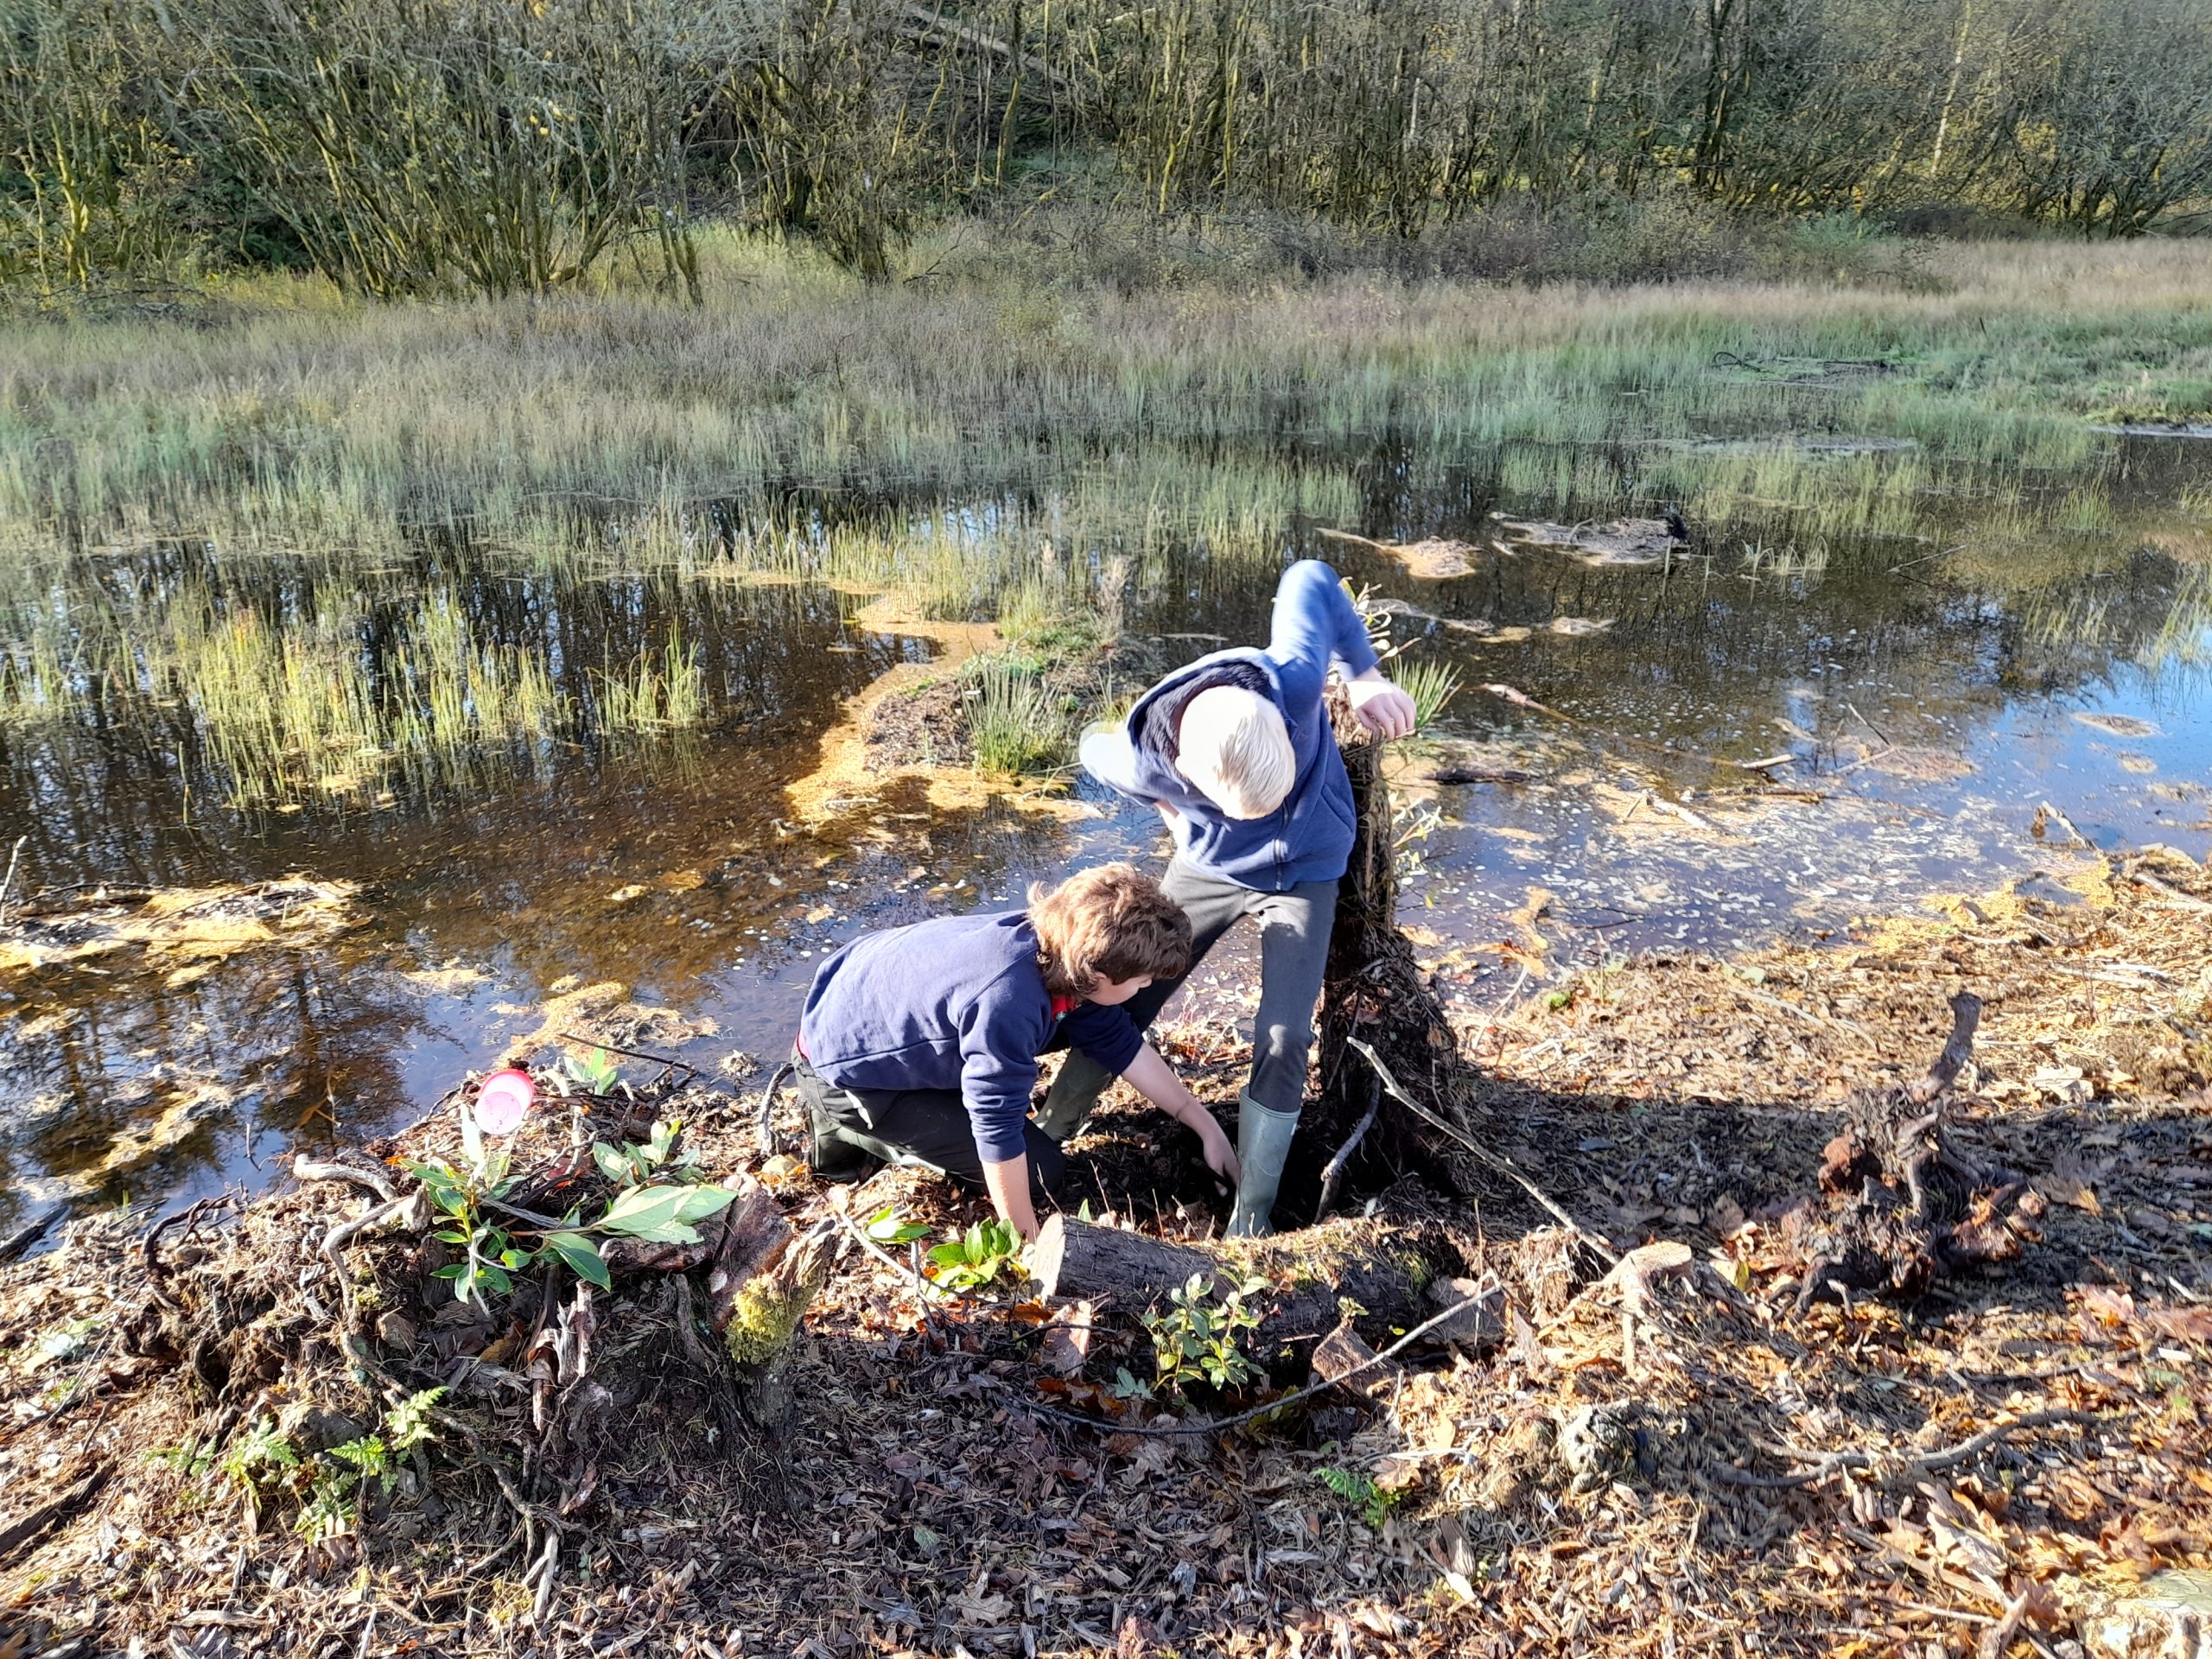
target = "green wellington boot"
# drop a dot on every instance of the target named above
(1263, 1143)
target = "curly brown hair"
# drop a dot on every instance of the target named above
(1110, 924)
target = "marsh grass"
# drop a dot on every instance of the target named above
(1431, 685)
(660, 691)
(1012, 720)
(934, 439)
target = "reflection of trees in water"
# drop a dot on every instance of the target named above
(284, 1034)
(128, 789)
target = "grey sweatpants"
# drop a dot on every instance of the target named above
(1294, 950)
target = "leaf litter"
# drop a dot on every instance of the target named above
(1664, 1456)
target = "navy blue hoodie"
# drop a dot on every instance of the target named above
(956, 1002)
(1307, 838)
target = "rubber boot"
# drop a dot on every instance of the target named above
(1262, 1144)
(831, 1155)
(1068, 1101)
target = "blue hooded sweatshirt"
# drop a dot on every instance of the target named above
(955, 1002)
(1309, 838)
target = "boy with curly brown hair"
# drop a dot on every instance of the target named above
(920, 1044)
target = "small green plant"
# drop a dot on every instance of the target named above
(336, 1479)
(1126, 1386)
(597, 1072)
(190, 1460)
(1196, 1341)
(886, 1227)
(408, 1425)
(499, 1242)
(1431, 685)
(1012, 721)
(259, 1455)
(977, 1257)
(1373, 1502)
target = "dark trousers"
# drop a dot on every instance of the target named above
(1295, 929)
(926, 1126)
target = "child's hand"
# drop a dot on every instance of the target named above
(1220, 1154)
(1382, 708)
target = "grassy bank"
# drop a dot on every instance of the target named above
(932, 436)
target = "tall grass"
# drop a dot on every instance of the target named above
(1431, 685)
(660, 691)
(1011, 720)
(938, 439)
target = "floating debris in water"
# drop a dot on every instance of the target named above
(1433, 559)
(180, 926)
(1626, 542)
(2116, 725)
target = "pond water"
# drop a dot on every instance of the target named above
(1929, 693)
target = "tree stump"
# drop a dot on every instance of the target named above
(1374, 990)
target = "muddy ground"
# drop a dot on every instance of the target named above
(1682, 1465)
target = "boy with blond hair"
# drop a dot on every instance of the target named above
(1237, 754)
(920, 1044)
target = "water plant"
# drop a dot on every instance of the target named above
(1431, 682)
(1011, 719)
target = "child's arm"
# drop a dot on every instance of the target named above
(1314, 625)
(1008, 1185)
(1153, 1078)
(1110, 1037)
(997, 1074)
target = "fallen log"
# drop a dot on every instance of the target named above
(1309, 1277)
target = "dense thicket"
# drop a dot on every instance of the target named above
(414, 145)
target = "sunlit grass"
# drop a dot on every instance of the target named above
(1431, 685)
(661, 691)
(1011, 720)
(937, 440)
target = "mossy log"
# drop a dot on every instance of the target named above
(1309, 1277)
(764, 1276)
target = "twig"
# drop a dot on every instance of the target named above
(314, 1169)
(1870, 725)
(2065, 823)
(546, 1569)
(930, 1286)
(1497, 1160)
(2186, 900)
(1824, 1463)
(1333, 1173)
(1998, 1636)
(763, 1135)
(1214, 1425)
(627, 1053)
(8, 881)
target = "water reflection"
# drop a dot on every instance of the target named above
(1926, 691)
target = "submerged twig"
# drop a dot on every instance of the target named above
(8, 881)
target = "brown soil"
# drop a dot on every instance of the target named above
(1669, 1459)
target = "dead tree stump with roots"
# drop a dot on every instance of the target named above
(1374, 992)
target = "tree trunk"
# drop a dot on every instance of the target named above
(764, 1276)
(1374, 991)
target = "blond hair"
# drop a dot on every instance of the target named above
(1110, 924)
(1234, 748)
